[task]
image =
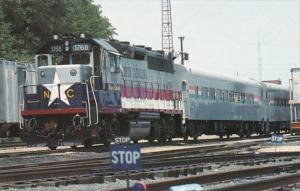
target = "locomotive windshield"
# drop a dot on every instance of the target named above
(66, 59)
(63, 59)
(42, 60)
(65, 53)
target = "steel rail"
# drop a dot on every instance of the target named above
(216, 177)
(263, 184)
(79, 167)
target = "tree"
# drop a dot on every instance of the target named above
(6, 40)
(33, 22)
(83, 16)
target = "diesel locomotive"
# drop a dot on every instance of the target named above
(91, 90)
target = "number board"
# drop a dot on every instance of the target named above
(56, 49)
(81, 47)
(125, 157)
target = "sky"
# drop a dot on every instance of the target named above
(220, 35)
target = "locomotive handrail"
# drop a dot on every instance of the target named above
(88, 104)
(86, 109)
(21, 107)
(93, 92)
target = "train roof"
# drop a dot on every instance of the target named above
(113, 46)
(277, 86)
(156, 59)
(234, 79)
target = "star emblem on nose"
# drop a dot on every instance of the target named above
(54, 89)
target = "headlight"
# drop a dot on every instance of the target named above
(73, 72)
(42, 74)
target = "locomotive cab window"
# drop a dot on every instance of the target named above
(183, 86)
(42, 60)
(80, 58)
(60, 59)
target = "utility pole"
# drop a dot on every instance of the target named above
(167, 33)
(181, 38)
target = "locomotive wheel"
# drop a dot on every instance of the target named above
(74, 146)
(52, 147)
(106, 143)
(185, 137)
(228, 135)
(161, 140)
(115, 127)
(248, 134)
(88, 143)
(241, 133)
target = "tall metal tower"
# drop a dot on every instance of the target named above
(167, 33)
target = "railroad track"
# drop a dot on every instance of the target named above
(164, 162)
(101, 148)
(11, 142)
(100, 168)
(273, 170)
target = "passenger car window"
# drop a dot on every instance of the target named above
(204, 92)
(212, 93)
(243, 97)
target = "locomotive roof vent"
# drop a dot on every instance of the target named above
(114, 40)
(55, 37)
(140, 46)
(125, 42)
(82, 35)
(160, 51)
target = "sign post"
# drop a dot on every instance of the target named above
(125, 157)
(277, 139)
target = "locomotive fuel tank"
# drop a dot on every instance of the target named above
(139, 129)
